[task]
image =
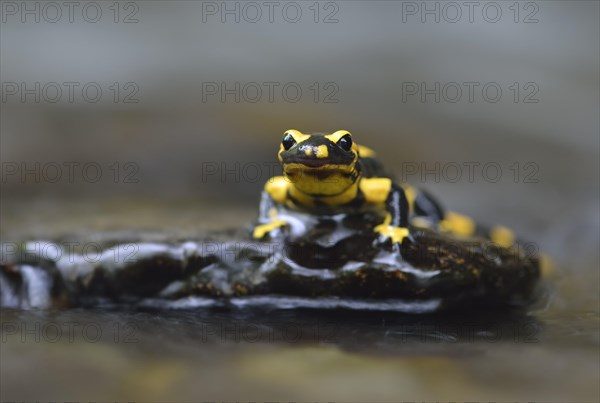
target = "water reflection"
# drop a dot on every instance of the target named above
(359, 331)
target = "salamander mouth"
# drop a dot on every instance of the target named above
(334, 162)
(314, 167)
(307, 162)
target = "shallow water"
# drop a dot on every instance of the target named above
(226, 354)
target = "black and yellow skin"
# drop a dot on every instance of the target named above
(330, 173)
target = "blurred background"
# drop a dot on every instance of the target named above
(166, 117)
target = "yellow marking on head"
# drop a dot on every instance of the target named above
(335, 137)
(261, 230)
(376, 190)
(502, 236)
(366, 152)
(396, 234)
(458, 224)
(322, 151)
(277, 188)
(308, 151)
(298, 135)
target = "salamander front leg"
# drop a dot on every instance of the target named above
(267, 218)
(395, 225)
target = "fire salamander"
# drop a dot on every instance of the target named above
(335, 232)
(330, 173)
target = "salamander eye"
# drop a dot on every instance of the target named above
(288, 141)
(345, 142)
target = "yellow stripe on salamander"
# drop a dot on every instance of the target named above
(547, 266)
(336, 136)
(396, 234)
(502, 236)
(411, 195)
(261, 230)
(366, 152)
(458, 224)
(376, 190)
(277, 188)
(298, 135)
(322, 152)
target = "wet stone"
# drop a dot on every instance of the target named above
(329, 262)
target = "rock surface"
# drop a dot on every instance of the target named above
(333, 263)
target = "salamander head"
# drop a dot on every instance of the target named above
(319, 164)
